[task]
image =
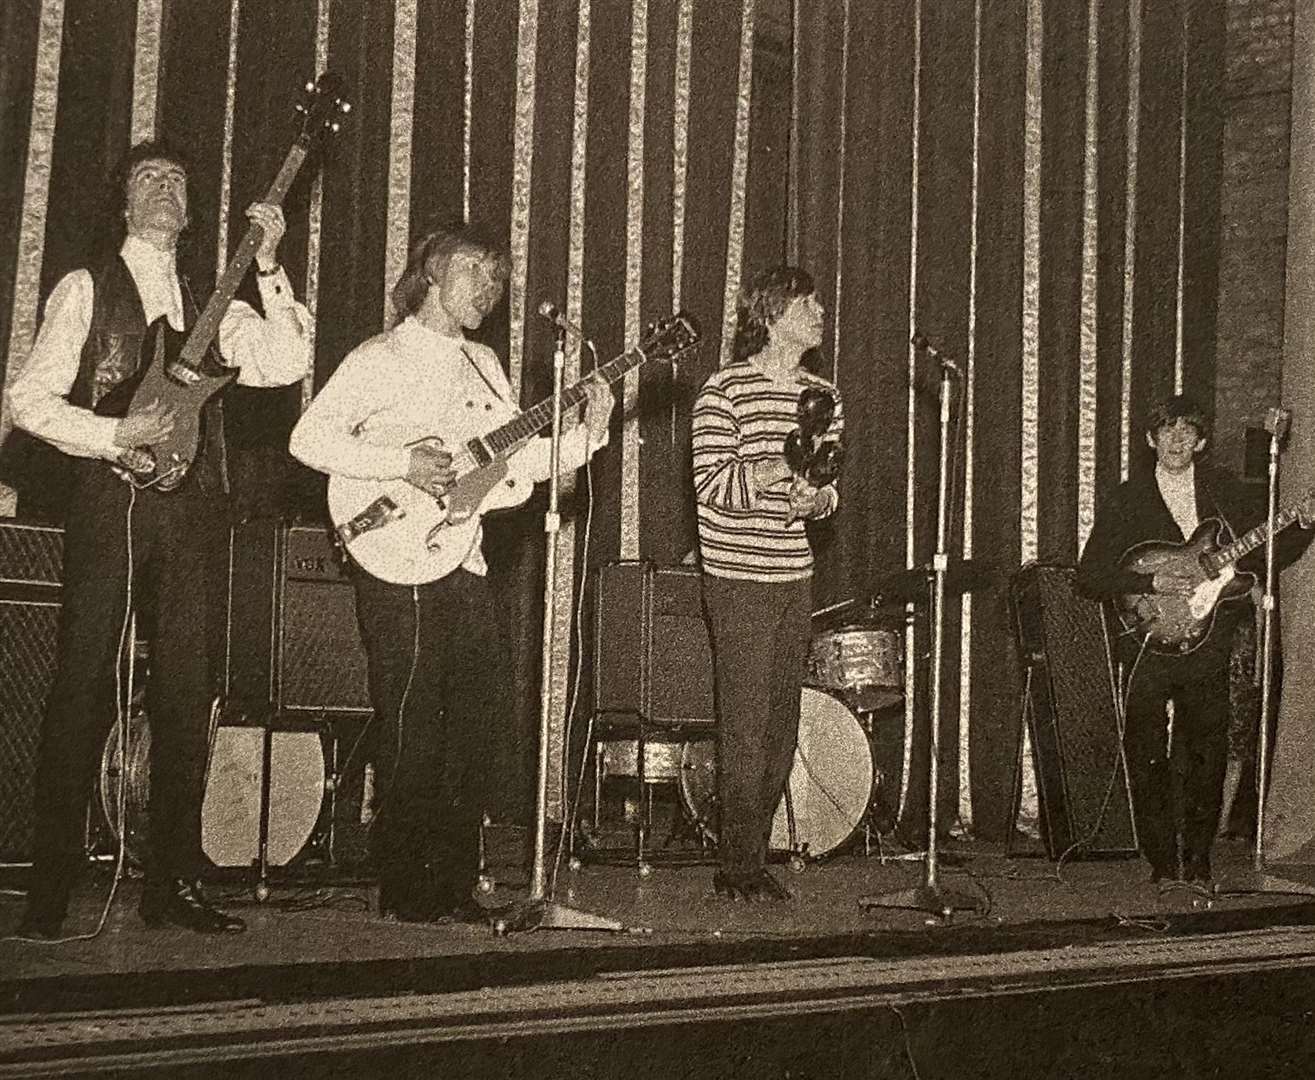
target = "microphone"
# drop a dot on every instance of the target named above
(919, 341)
(1277, 421)
(550, 312)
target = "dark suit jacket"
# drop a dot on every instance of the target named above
(1135, 512)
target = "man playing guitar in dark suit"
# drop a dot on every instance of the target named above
(1177, 633)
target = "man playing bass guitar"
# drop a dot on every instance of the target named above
(435, 644)
(152, 549)
(1150, 554)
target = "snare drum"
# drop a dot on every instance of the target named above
(831, 781)
(865, 664)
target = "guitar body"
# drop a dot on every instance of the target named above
(1178, 624)
(408, 537)
(404, 535)
(184, 396)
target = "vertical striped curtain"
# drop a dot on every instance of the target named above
(631, 153)
(1033, 185)
(1289, 826)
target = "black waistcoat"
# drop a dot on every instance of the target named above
(113, 351)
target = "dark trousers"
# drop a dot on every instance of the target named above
(1177, 788)
(760, 635)
(437, 660)
(176, 544)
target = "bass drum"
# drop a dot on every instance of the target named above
(230, 812)
(127, 773)
(830, 788)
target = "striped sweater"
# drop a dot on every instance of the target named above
(742, 416)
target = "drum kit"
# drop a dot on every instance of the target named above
(855, 679)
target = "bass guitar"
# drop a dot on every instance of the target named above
(180, 369)
(1178, 623)
(403, 534)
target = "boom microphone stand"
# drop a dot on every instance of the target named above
(1276, 423)
(930, 896)
(539, 911)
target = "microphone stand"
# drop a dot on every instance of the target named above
(540, 912)
(1276, 423)
(931, 896)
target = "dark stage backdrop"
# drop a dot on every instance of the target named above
(632, 155)
(1032, 183)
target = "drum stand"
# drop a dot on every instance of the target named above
(540, 912)
(931, 896)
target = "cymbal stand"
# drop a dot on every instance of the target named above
(541, 912)
(1276, 423)
(931, 896)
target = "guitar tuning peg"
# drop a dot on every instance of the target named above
(335, 127)
(346, 106)
(310, 86)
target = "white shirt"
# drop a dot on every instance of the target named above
(407, 383)
(273, 351)
(1178, 490)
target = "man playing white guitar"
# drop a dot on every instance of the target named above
(393, 428)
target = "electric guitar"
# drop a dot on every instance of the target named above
(180, 369)
(405, 535)
(1175, 624)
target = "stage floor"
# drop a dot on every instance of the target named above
(308, 936)
(694, 984)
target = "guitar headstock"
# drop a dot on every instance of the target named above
(670, 336)
(321, 108)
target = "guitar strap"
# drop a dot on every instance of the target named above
(484, 378)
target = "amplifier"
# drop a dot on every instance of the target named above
(293, 640)
(31, 560)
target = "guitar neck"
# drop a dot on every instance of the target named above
(1251, 539)
(207, 324)
(532, 421)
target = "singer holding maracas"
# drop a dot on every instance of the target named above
(757, 563)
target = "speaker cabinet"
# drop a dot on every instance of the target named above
(1071, 706)
(652, 649)
(293, 640)
(31, 560)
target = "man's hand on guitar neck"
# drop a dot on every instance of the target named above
(431, 468)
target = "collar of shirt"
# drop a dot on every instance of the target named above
(156, 275)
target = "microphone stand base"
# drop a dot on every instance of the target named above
(550, 915)
(934, 900)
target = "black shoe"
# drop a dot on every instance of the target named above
(40, 925)
(181, 903)
(1196, 872)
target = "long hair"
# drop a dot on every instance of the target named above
(428, 258)
(765, 300)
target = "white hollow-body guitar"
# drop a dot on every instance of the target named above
(404, 535)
